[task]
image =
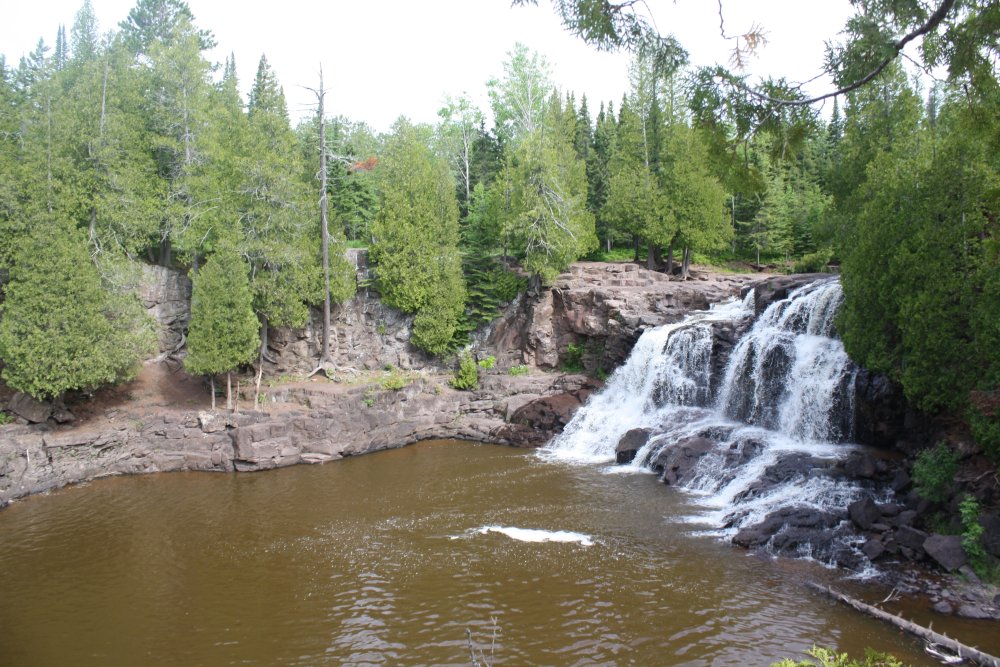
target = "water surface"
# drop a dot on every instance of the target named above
(382, 560)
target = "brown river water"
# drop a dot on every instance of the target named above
(377, 561)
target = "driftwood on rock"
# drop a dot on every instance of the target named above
(966, 652)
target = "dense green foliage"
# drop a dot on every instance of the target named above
(224, 332)
(60, 328)
(415, 239)
(934, 472)
(467, 375)
(824, 657)
(148, 151)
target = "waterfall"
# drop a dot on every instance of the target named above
(760, 433)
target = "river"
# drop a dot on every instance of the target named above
(382, 560)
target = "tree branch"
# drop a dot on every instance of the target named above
(932, 22)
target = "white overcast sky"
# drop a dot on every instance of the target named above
(384, 58)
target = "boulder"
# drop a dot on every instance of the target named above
(864, 513)
(30, 408)
(946, 551)
(630, 444)
(802, 524)
(911, 538)
(873, 549)
(677, 460)
(861, 465)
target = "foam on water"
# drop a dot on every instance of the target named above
(532, 535)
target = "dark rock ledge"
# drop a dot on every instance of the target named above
(307, 424)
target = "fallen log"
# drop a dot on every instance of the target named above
(960, 649)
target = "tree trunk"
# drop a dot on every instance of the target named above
(324, 357)
(654, 258)
(635, 248)
(928, 635)
(670, 259)
(686, 263)
(260, 360)
(211, 382)
(229, 390)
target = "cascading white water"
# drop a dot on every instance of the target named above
(785, 397)
(669, 367)
(786, 372)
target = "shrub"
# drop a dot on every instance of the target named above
(5, 418)
(395, 380)
(467, 375)
(972, 532)
(522, 369)
(814, 262)
(825, 657)
(986, 431)
(488, 363)
(934, 472)
(572, 361)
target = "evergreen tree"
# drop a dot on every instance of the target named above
(222, 335)
(60, 330)
(415, 239)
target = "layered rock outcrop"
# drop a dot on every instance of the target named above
(602, 309)
(305, 423)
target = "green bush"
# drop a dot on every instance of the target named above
(986, 431)
(814, 262)
(522, 369)
(972, 532)
(572, 359)
(934, 472)
(467, 375)
(395, 380)
(5, 418)
(824, 657)
(488, 363)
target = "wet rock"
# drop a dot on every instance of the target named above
(677, 460)
(30, 408)
(864, 513)
(786, 520)
(906, 518)
(946, 551)
(861, 465)
(912, 539)
(873, 549)
(630, 444)
(901, 481)
(974, 612)
(943, 607)
(880, 409)
(889, 509)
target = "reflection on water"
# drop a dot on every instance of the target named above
(354, 563)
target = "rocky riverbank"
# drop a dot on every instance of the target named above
(599, 307)
(303, 423)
